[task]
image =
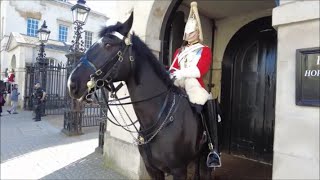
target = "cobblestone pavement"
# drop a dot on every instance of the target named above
(38, 150)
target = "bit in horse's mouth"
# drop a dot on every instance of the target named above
(86, 96)
(82, 98)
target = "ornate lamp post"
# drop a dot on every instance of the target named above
(42, 61)
(80, 13)
(73, 114)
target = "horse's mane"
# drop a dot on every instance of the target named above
(110, 29)
(142, 53)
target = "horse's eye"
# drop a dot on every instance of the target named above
(107, 45)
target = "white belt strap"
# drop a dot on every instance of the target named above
(184, 53)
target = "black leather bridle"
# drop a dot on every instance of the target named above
(105, 80)
(101, 79)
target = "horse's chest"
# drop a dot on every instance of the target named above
(151, 157)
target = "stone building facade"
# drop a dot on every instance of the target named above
(254, 47)
(19, 44)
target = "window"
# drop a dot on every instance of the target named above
(63, 33)
(32, 27)
(87, 39)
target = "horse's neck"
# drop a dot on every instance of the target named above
(150, 86)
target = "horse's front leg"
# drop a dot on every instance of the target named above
(155, 174)
(153, 171)
(196, 175)
(179, 174)
(205, 172)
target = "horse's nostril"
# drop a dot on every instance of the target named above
(73, 89)
(73, 85)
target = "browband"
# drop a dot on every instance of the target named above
(118, 35)
(126, 40)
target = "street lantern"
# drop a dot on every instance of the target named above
(43, 33)
(42, 61)
(72, 123)
(80, 12)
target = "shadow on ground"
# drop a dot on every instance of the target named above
(89, 167)
(21, 135)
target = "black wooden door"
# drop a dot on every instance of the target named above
(176, 35)
(253, 96)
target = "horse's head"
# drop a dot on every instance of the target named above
(107, 60)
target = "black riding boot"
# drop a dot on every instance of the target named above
(211, 119)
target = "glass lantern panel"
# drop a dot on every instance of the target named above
(43, 36)
(74, 15)
(80, 15)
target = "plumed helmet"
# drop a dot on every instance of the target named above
(193, 22)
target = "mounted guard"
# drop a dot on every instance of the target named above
(191, 63)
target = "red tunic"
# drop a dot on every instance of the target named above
(11, 77)
(203, 63)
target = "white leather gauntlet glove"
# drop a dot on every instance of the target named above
(190, 72)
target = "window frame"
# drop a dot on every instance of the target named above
(63, 33)
(32, 27)
(86, 39)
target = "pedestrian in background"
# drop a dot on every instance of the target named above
(39, 97)
(2, 92)
(10, 80)
(2, 101)
(14, 99)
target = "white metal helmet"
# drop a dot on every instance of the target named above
(193, 22)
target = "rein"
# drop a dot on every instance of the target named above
(134, 102)
(143, 133)
(98, 80)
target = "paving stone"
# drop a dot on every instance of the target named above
(38, 150)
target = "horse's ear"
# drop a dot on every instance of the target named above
(126, 26)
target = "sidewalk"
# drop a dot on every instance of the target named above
(38, 150)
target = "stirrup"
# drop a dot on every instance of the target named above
(213, 160)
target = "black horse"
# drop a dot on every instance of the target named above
(172, 131)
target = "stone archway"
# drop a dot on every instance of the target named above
(247, 99)
(158, 24)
